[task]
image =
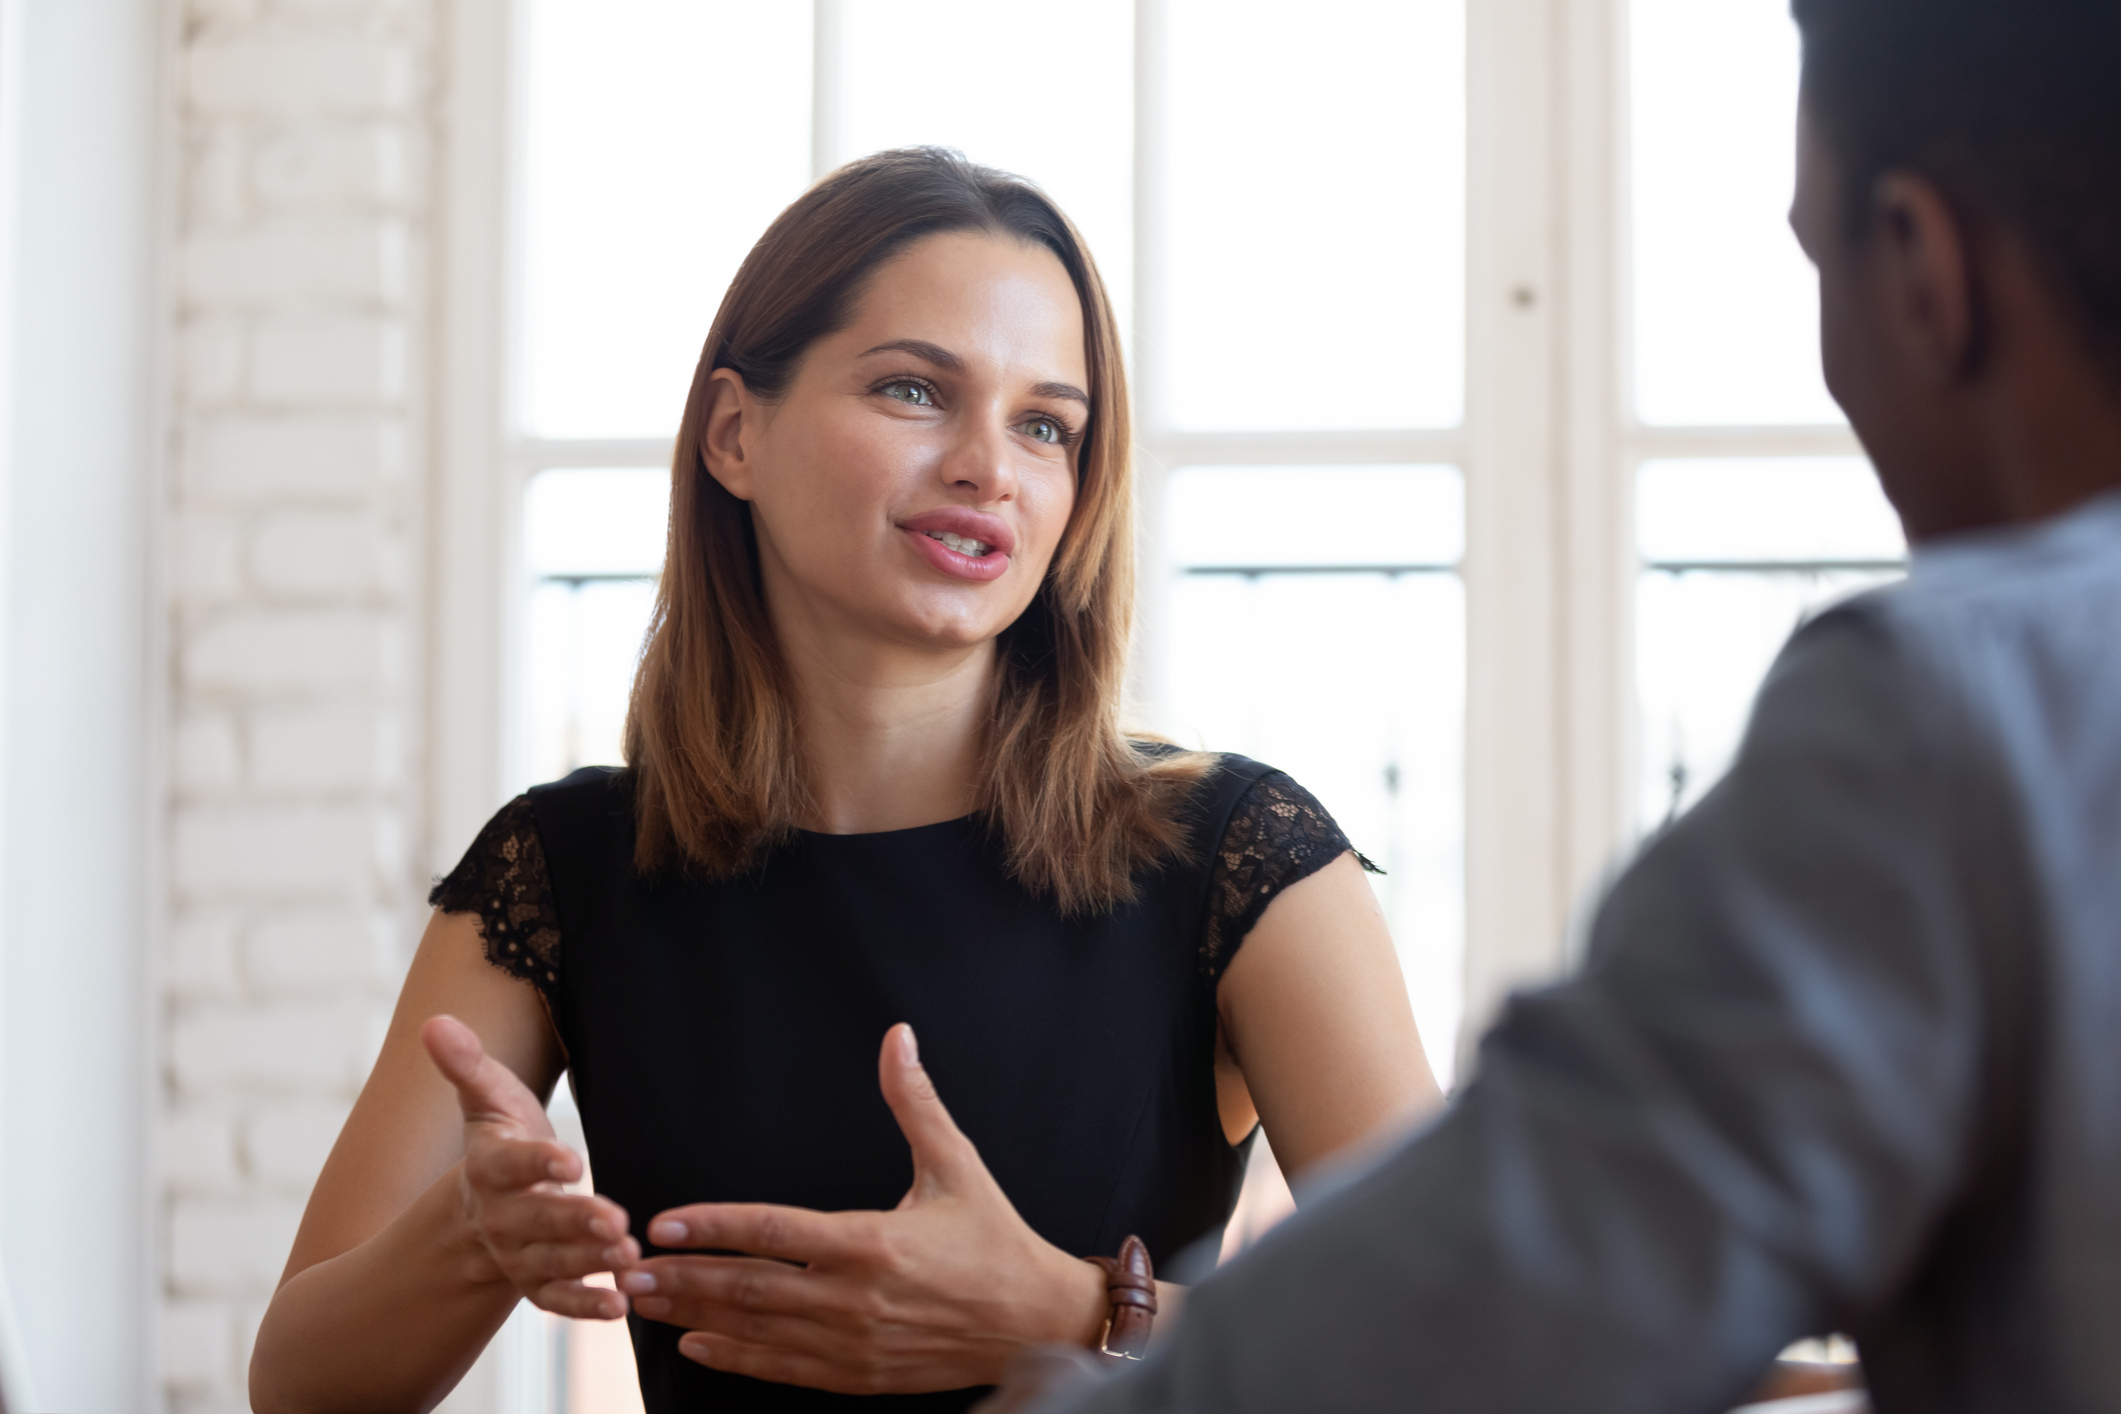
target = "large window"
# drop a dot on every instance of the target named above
(1484, 453)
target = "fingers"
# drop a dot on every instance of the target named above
(661, 1285)
(579, 1300)
(942, 1156)
(538, 1238)
(555, 1218)
(745, 1300)
(488, 1091)
(536, 1263)
(766, 1230)
(500, 1164)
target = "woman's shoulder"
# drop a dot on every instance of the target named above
(505, 878)
(1216, 769)
(1219, 781)
(584, 815)
(1265, 832)
(1261, 811)
(502, 882)
(585, 787)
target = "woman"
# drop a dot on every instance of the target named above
(875, 778)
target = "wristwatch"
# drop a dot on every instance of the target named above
(1130, 1284)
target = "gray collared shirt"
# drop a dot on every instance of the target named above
(1845, 1055)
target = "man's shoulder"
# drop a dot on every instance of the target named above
(2029, 578)
(2035, 580)
(1998, 633)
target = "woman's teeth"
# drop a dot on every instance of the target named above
(975, 548)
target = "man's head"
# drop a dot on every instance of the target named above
(1960, 188)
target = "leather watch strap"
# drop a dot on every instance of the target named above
(1130, 1284)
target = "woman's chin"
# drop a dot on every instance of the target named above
(951, 639)
(954, 620)
(946, 635)
(922, 618)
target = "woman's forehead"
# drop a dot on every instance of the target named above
(981, 295)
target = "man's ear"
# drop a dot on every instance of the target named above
(728, 431)
(1926, 286)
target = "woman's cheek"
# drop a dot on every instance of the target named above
(1048, 495)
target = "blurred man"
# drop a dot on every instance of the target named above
(1847, 1051)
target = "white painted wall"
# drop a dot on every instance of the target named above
(76, 446)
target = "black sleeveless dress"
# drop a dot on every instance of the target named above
(723, 1036)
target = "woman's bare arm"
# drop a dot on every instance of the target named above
(393, 1287)
(1318, 1032)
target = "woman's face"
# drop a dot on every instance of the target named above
(912, 484)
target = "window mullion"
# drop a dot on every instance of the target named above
(1598, 556)
(1516, 893)
(1146, 684)
(827, 73)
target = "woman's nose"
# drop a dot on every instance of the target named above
(982, 460)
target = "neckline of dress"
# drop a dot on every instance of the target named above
(885, 834)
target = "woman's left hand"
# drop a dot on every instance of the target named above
(939, 1293)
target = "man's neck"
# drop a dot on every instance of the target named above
(2057, 449)
(2046, 411)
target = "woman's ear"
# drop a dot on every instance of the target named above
(731, 424)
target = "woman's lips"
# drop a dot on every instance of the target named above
(990, 566)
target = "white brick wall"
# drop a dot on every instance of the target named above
(293, 530)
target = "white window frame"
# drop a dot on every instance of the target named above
(1548, 448)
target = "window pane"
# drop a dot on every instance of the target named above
(1352, 682)
(639, 196)
(1785, 508)
(1279, 516)
(1805, 531)
(1047, 94)
(600, 521)
(1726, 306)
(593, 543)
(1315, 247)
(1704, 642)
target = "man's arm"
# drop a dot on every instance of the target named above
(1736, 1127)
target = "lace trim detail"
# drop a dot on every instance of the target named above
(1278, 835)
(502, 879)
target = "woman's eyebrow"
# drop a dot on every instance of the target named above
(922, 349)
(943, 358)
(1060, 390)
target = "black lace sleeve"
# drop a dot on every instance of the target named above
(1278, 834)
(502, 879)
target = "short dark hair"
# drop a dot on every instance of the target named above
(2013, 107)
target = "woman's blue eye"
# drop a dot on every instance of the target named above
(1043, 429)
(912, 393)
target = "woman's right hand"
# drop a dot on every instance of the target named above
(524, 1228)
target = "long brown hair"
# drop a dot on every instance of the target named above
(712, 733)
